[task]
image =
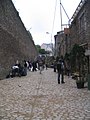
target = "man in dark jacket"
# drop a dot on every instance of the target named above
(60, 69)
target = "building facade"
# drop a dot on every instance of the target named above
(79, 30)
(48, 47)
(80, 25)
(59, 43)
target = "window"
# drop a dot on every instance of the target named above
(82, 22)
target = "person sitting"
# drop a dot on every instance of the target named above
(15, 70)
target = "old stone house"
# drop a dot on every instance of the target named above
(15, 41)
(79, 29)
(59, 43)
(80, 25)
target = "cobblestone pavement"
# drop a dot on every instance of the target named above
(39, 97)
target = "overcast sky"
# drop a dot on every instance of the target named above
(38, 17)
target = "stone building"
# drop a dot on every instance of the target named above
(80, 25)
(59, 43)
(79, 30)
(15, 41)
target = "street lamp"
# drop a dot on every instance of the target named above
(50, 34)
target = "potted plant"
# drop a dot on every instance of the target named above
(80, 82)
(77, 62)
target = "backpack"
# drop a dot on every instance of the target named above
(60, 66)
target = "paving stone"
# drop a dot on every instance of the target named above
(39, 97)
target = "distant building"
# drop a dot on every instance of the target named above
(48, 47)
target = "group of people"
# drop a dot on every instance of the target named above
(20, 69)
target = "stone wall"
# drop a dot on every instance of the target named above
(15, 42)
(80, 26)
(80, 29)
(88, 23)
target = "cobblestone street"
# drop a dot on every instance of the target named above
(39, 97)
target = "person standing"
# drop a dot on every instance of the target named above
(60, 70)
(34, 64)
(40, 63)
(55, 65)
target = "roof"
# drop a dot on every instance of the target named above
(78, 9)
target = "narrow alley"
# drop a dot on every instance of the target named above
(40, 97)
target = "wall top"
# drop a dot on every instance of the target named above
(78, 9)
